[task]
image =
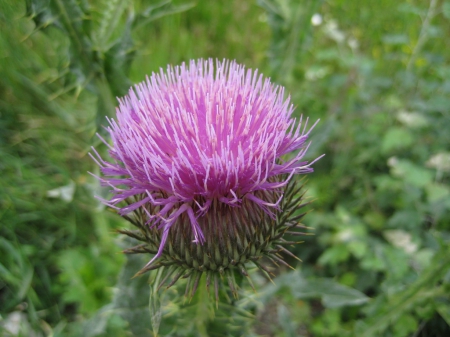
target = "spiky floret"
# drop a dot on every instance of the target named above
(198, 145)
(235, 239)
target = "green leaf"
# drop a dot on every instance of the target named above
(396, 261)
(26, 279)
(332, 294)
(358, 248)
(436, 192)
(396, 139)
(159, 10)
(71, 17)
(131, 297)
(446, 9)
(40, 12)
(406, 219)
(410, 172)
(118, 61)
(286, 321)
(444, 310)
(334, 255)
(111, 14)
(373, 263)
(98, 322)
(329, 324)
(405, 325)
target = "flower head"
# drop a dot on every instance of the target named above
(198, 159)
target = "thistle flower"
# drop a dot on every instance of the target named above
(198, 168)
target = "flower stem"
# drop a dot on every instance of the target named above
(205, 309)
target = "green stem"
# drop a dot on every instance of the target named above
(424, 33)
(205, 308)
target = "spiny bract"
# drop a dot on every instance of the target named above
(198, 168)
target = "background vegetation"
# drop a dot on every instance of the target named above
(377, 74)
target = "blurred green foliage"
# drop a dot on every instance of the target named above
(376, 73)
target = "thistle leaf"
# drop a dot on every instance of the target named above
(159, 10)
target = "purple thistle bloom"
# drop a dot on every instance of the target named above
(210, 133)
